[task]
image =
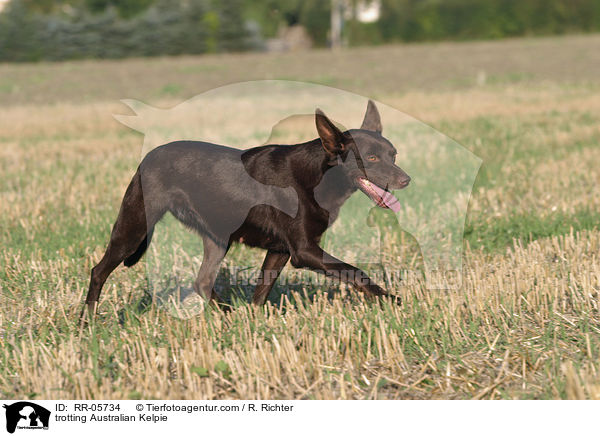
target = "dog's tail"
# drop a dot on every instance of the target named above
(135, 257)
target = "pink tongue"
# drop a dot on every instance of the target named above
(388, 198)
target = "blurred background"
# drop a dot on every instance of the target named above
(32, 30)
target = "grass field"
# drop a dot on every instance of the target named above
(525, 324)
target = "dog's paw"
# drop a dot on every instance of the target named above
(372, 290)
(395, 299)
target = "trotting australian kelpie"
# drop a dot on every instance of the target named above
(280, 198)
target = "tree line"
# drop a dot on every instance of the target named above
(32, 30)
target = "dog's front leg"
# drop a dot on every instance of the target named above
(271, 268)
(315, 258)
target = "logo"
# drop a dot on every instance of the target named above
(26, 415)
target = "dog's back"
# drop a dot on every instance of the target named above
(207, 186)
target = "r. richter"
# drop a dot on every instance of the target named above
(276, 408)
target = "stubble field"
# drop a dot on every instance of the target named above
(525, 324)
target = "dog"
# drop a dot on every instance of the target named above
(280, 198)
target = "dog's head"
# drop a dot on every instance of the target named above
(365, 156)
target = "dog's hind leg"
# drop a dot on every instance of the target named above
(271, 268)
(129, 232)
(214, 253)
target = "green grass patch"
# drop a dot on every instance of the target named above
(496, 235)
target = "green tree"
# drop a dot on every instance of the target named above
(232, 33)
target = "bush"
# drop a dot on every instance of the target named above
(165, 28)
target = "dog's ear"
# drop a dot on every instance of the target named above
(372, 119)
(331, 137)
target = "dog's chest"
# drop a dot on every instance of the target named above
(327, 207)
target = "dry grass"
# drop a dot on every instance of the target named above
(514, 329)
(383, 71)
(525, 323)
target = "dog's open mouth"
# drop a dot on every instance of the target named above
(382, 197)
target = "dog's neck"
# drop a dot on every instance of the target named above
(329, 183)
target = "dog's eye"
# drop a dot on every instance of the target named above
(372, 158)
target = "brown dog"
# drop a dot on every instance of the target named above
(280, 198)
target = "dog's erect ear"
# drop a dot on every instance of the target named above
(331, 137)
(372, 119)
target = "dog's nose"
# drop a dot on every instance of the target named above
(405, 181)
